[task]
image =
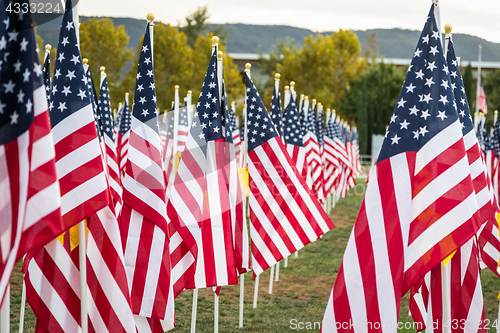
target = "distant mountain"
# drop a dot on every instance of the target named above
(246, 38)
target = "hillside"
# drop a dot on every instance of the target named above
(246, 38)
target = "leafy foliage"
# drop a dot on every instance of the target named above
(106, 45)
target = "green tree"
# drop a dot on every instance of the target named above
(491, 84)
(197, 24)
(106, 45)
(324, 66)
(370, 100)
(470, 91)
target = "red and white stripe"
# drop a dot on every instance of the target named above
(312, 156)
(398, 235)
(143, 227)
(114, 181)
(489, 245)
(53, 281)
(283, 215)
(30, 195)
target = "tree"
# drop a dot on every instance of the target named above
(470, 91)
(196, 25)
(106, 45)
(370, 101)
(491, 85)
(324, 66)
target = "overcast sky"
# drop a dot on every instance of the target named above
(479, 17)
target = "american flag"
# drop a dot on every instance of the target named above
(481, 98)
(182, 129)
(46, 74)
(311, 143)
(111, 158)
(292, 137)
(236, 134)
(331, 155)
(168, 145)
(276, 107)
(143, 221)
(29, 196)
(199, 206)
(122, 139)
(283, 215)
(420, 204)
(319, 185)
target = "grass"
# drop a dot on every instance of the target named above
(301, 294)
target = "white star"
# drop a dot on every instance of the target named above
(66, 91)
(415, 134)
(75, 59)
(142, 100)
(65, 41)
(2, 106)
(51, 105)
(410, 88)
(427, 98)
(70, 75)
(441, 115)
(82, 94)
(211, 85)
(201, 135)
(140, 87)
(57, 73)
(9, 87)
(404, 124)
(216, 129)
(444, 99)
(70, 26)
(13, 118)
(144, 112)
(61, 57)
(401, 103)
(147, 61)
(462, 113)
(152, 86)
(26, 75)
(419, 74)
(445, 69)
(20, 96)
(395, 139)
(252, 140)
(150, 73)
(3, 43)
(445, 84)
(429, 82)
(423, 130)
(54, 89)
(454, 74)
(435, 34)
(144, 48)
(393, 118)
(417, 53)
(13, 35)
(425, 39)
(431, 66)
(425, 114)
(17, 66)
(62, 106)
(434, 50)
(462, 100)
(38, 69)
(138, 76)
(414, 110)
(29, 106)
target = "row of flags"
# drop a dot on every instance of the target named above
(427, 224)
(163, 205)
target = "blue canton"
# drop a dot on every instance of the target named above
(292, 132)
(46, 77)
(20, 74)
(320, 124)
(276, 110)
(93, 99)
(125, 119)
(426, 103)
(259, 125)
(226, 121)
(105, 109)
(144, 108)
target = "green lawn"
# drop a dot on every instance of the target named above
(299, 296)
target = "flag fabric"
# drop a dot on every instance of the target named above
(319, 185)
(292, 137)
(276, 109)
(46, 77)
(495, 146)
(355, 152)
(115, 186)
(311, 143)
(30, 202)
(168, 146)
(481, 99)
(420, 204)
(182, 129)
(236, 135)
(122, 139)
(116, 121)
(284, 217)
(332, 155)
(198, 205)
(143, 223)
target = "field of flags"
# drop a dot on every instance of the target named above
(116, 213)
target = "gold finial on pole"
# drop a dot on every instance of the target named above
(219, 54)
(150, 17)
(328, 110)
(306, 97)
(102, 68)
(248, 66)
(233, 103)
(176, 87)
(292, 84)
(190, 91)
(287, 88)
(301, 95)
(277, 76)
(48, 47)
(215, 40)
(447, 28)
(126, 95)
(496, 112)
(85, 61)
(314, 100)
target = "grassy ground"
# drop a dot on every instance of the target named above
(300, 295)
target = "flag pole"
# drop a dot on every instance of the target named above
(103, 75)
(151, 19)
(245, 165)
(5, 311)
(189, 102)
(271, 277)
(193, 311)
(479, 55)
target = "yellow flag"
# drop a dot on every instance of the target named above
(73, 236)
(448, 258)
(243, 176)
